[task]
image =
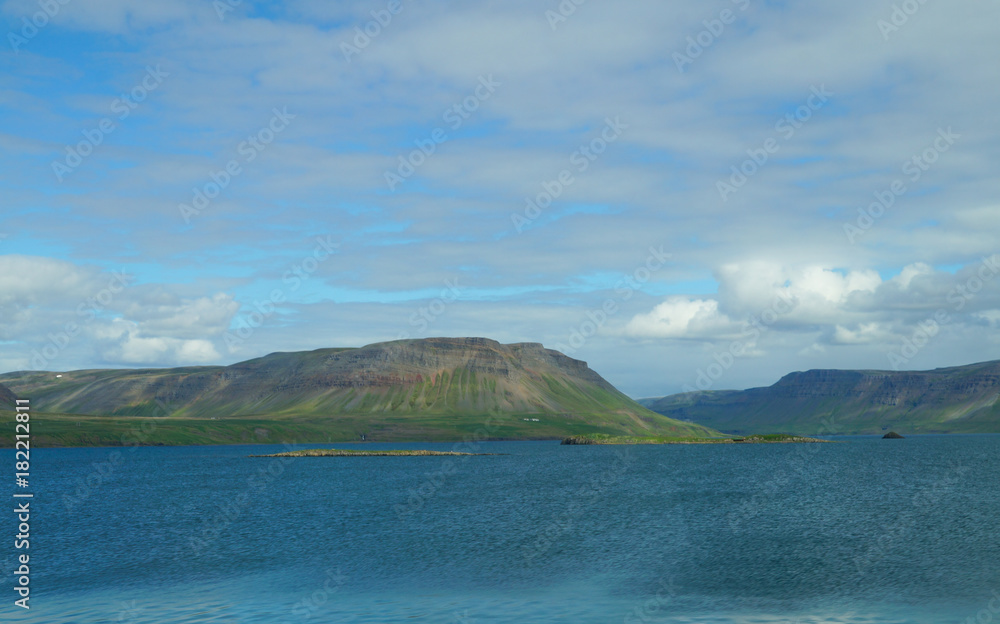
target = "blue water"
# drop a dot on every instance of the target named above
(861, 531)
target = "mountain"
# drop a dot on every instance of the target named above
(7, 398)
(436, 388)
(946, 400)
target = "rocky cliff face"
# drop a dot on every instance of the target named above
(448, 376)
(960, 399)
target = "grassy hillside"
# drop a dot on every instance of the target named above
(948, 400)
(433, 389)
(7, 398)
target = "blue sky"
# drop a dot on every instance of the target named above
(683, 194)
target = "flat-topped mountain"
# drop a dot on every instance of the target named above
(407, 389)
(960, 399)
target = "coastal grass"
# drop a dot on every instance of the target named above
(64, 430)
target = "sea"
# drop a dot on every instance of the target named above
(862, 530)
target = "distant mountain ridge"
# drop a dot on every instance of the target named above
(398, 390)
(962, 399)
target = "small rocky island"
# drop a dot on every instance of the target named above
(892, 435)
(774, 438)
(356, 453)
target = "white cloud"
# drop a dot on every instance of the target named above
(164, 314)
(819, 295)
(865, 333)
(819, 304)
(60, 312)
(124, 343)
(780, 236)
(909, 272)
(30, 280)
(679, 317)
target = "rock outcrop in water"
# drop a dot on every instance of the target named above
(892, 435)
(946, 400)
(362, 453)
(604, 439)
(398, 390)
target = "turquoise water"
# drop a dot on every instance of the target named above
(862, 531)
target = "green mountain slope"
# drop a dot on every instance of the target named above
(435, 388)
(7, 398)
(946, 400)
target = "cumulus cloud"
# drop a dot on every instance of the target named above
(820, 294)
(30, 280)
(680, 317)
(166, 315)
(63, 313)
(124, 342)
(827, 305)
(865, 333)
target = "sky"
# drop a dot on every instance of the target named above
(684, 194)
